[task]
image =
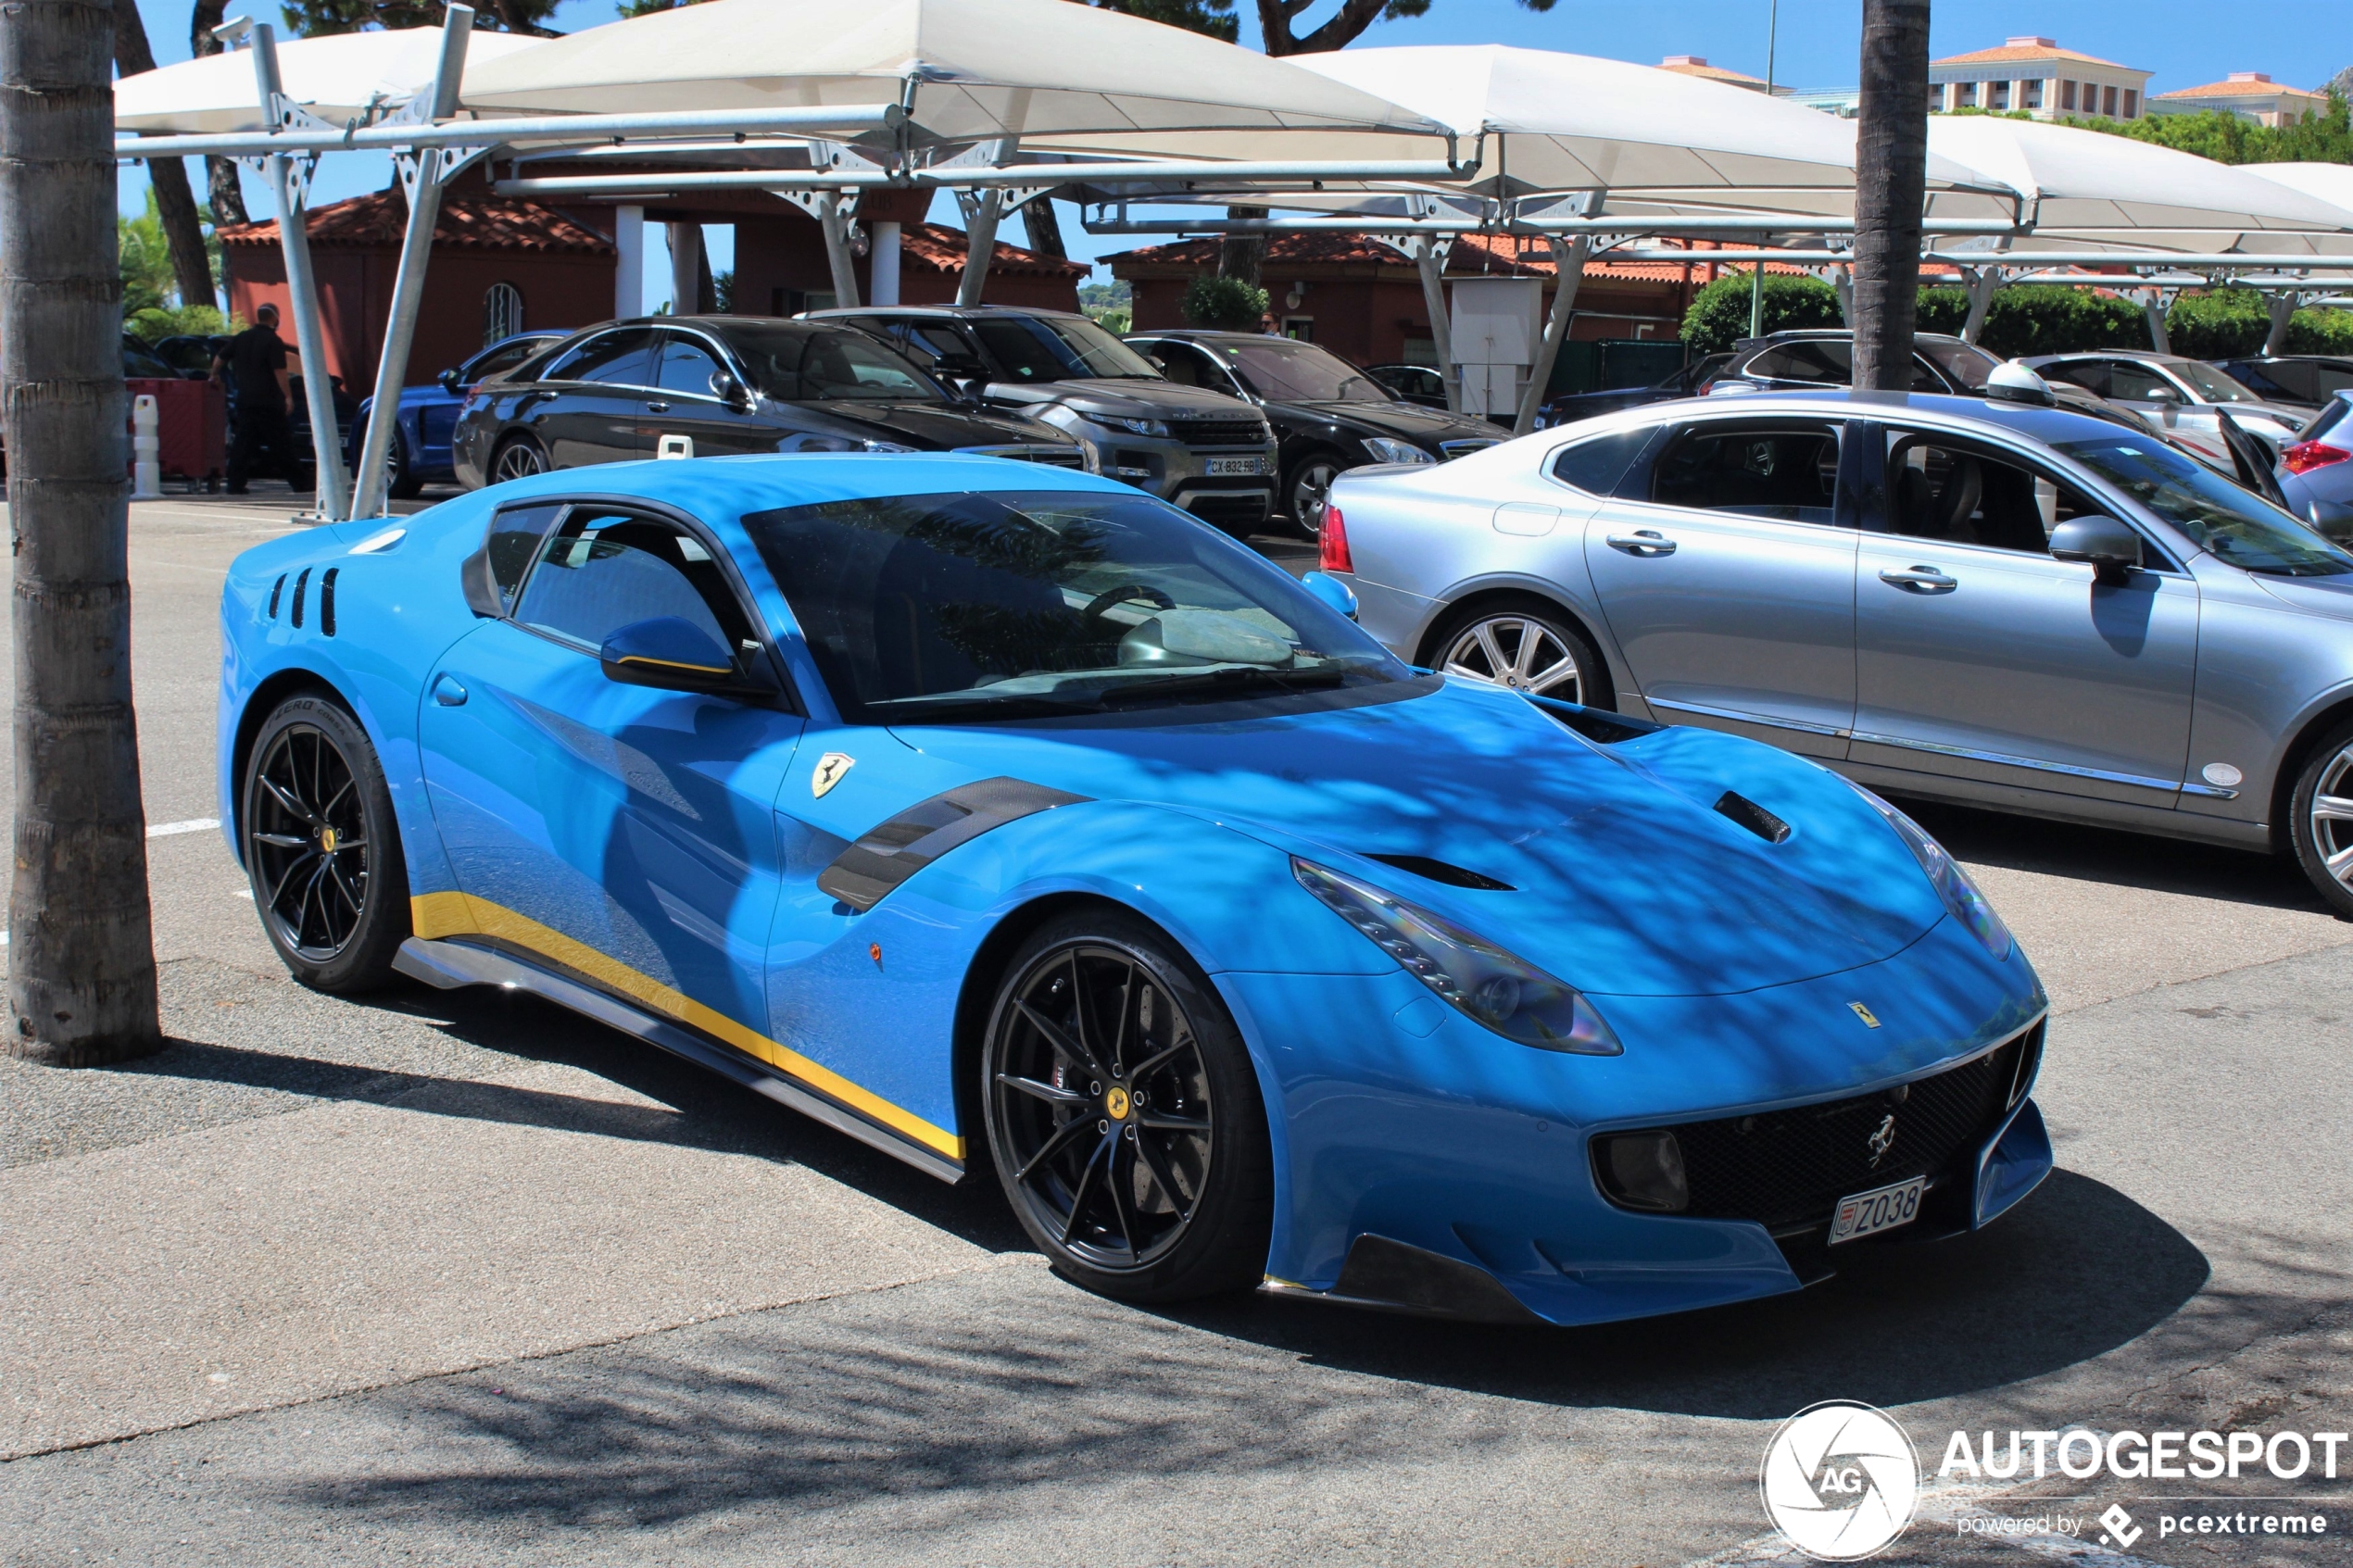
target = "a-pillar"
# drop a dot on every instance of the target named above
(629, 272)
(686, 268)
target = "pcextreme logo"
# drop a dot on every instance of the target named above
(1841, 1480)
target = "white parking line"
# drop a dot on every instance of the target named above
(193, 825)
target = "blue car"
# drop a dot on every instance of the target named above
(420, 454)
(1009, 818)
(2315, 474)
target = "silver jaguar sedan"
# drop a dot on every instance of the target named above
(1994, 604)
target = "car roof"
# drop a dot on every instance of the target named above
(955, 312)
(2144, 356)
(1793, 334)
(2045, 424)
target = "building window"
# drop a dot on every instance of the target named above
(1300, 327)
(2067, 96)
(2000, 98)
(501, 312)
(2108, 97)
(1968, 91)
(2131, 103)
(2034, 95)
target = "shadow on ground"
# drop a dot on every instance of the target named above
(2116, 858)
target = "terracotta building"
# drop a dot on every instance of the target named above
(2034, 74)
(2250, 95)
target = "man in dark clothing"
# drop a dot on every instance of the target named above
(254, 365)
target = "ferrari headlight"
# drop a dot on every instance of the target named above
(1477, 979)
(1385, 450)
(1953, 884)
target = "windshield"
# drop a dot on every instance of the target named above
(794, 363)
(1966, 365)
(2212, 385)
(1285, 371)
(984, 606)
(2233, 524)
(1043, 348)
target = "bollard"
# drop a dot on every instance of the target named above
(146, 450)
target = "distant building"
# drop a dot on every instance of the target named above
(2037, 76)
(1696, 65)
(2250, 95)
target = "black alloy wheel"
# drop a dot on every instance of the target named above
(1310, 491)
(1124, 1116)
(322, 850)
(519, 458)
(398, 482)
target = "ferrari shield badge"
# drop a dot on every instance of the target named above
(1866, 1014)
(831, 767)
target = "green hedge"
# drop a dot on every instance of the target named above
(1719, 316)
(2232, 323)
(2039, 319)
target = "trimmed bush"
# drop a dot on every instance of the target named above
(2320, 331)
(1224, 304)
(2218, 324)
(2039, 319)
(1719, 316)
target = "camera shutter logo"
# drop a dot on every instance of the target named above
(1840, 1480)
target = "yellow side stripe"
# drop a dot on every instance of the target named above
(436, 915)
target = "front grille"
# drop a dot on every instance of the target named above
(1788, 1169)
(1053, 457)
(1218, 432)
(1465, 448)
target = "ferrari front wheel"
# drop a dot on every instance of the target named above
(322, 849)
(1125, 1117)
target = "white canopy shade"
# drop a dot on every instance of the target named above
(338, 77)
(969, 71)
(2331, 182)
(2086, 188)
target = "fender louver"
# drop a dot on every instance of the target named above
(276, 589)
(1439, 871)
(327, 601)
(301, 583)
(1750, 815)
(890, 852)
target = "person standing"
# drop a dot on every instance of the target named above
(253, 364)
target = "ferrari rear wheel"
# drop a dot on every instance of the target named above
(1124, 1116)
(1530, 648)
(322, 849)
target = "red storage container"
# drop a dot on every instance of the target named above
(191, 425)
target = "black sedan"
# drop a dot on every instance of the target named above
(1328, 416)
(1691, 381)
(712, 385)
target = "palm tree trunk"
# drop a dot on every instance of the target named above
(81, 980)
(1242, 256)
(221, 173)
(1044, 227)
(1890, 174)
(175, 203)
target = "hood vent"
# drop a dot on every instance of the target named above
(275, 589)
(301, 584)
(327, 600)
(1750, 815)
(1452, 876)
(1599, 725)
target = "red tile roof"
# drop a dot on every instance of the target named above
(1472, 256)
(1696, 65)
(2246, 84)
(2038, 50)
(465, 222)
(937, 248)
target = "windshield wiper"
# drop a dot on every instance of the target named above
(1225, 682)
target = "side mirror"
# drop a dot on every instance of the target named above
(730, 391)
(448, 378)
(2163, 395)
(671, 654)
(1332, 591)
(2108, 547)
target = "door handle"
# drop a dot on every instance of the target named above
(1920, 579)
(447, 692)
(1644, 542)
(657, 406)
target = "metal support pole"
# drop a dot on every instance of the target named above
(629, 261)
(836, 226)
(1429, 261)
(686, 268)
(2153, 305)
(1843, 282)
(368, 495)
(1756, 301)
(1980, 282)
(310, 346)
(983, 209)
(2283, 306)
(883, 262)
(1568, 261)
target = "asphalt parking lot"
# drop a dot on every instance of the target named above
(456, 1277)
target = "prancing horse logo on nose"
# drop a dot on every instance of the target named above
(829, 771)
(1883, 1140)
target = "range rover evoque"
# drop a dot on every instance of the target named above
(725, 384)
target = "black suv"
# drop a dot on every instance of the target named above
(1211, 454)
(721, 384)
(1825, 357)
(1327, 414)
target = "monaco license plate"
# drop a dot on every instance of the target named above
(1236, 468)
(1882, 1209)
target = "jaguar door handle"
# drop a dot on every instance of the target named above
(1647, 543)
(1919, 579)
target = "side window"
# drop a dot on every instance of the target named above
(621, 357)
(603, 570)
(2089, 374)
(497, 570)
(686, 367)
(2129, 380)
(1785, 471)
(1184, 366)
(1596, 466)
(499, 361)
(1964, 494)
(927, 341)
(2330, 380)
(1826, 362)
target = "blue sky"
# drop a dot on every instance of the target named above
(2184, 43)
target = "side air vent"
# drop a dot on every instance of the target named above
(1596, 724)
(1439, 871)
(1750, 815)
(300, 583)
(327, 600)
(275, 589)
